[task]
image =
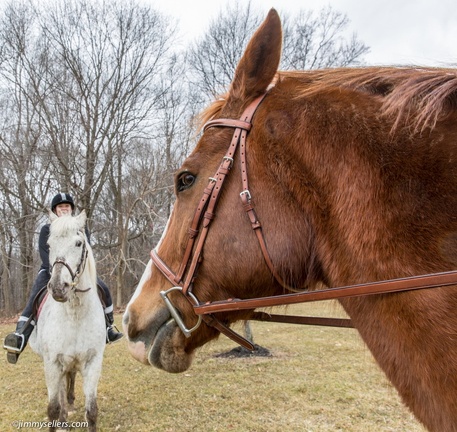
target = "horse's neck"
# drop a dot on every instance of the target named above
(412, 337)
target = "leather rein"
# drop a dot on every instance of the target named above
(182, 281)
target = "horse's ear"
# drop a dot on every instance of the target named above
(52, 216)
(260, 61)
(81, 218)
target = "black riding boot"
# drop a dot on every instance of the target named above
(17, 341)
(112, 333)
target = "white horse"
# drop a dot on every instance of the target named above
(70, 332)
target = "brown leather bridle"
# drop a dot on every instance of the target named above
(183, 280)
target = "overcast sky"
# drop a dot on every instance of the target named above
(398, 32)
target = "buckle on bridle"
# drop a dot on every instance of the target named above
(176, 315)
(228, 158)
(247, 194)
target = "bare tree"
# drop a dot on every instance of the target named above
(214, 57)
(310, 41)
(107, 56)
(88, 74)
(22, 171)
(316, 41)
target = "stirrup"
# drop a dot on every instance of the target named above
(11, 346)
(118, 334)
(11, 339)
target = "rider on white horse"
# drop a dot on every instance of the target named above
(62, 204)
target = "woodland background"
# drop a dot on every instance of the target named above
(100, 99)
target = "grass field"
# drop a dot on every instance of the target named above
(317, 379)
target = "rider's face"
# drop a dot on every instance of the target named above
(63, 209)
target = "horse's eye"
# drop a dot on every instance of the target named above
(78, 243)
(184, 181)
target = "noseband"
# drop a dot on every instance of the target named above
(79, 269)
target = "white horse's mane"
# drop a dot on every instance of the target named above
(62, 226)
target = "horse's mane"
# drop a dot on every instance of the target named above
(418, 96)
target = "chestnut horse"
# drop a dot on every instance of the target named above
(353, 174)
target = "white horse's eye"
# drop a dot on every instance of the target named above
(78, 243)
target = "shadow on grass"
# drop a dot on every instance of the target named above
(244, 352)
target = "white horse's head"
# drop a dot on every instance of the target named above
(68, 253)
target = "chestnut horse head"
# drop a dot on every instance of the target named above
(353, 176)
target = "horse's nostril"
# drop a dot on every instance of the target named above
(125, 319)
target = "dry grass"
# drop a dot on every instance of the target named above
(318, 379)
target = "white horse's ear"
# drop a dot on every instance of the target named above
(52, 216)
(81, 218)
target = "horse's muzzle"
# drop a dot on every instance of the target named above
(60, 294)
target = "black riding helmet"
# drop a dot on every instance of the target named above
(62, 198)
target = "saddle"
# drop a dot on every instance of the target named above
(38, 302)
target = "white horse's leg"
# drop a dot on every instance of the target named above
(71, 390)
(56, 388)
(91, 375)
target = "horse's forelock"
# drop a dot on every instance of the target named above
(210, 112)
(64, 225)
